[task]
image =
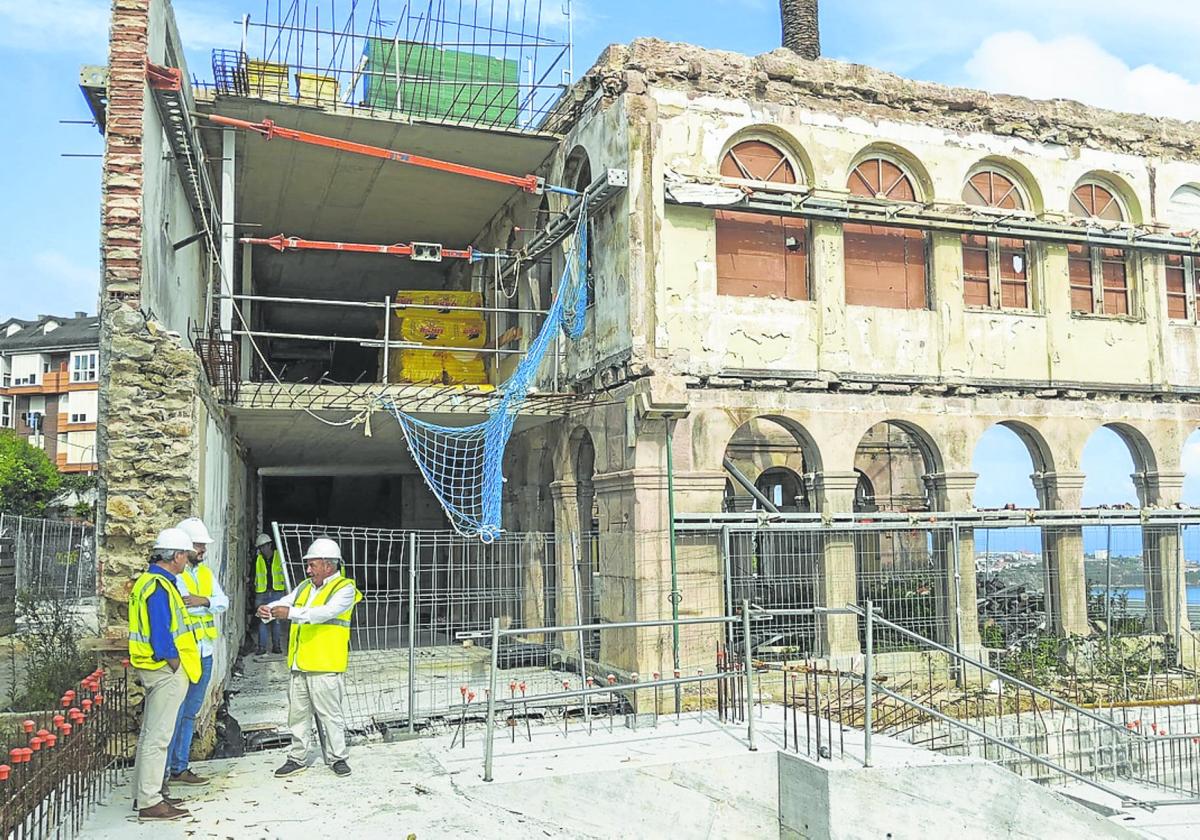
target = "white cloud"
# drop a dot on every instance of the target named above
(1075, 67)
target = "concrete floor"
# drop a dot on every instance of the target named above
(687, 778)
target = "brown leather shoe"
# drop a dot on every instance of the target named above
(187, 777)
(162, 811)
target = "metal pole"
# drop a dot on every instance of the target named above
(957, 560)
(587, 710)
(1178, 584)
(491, 701)
(727, 563)
(675, 596)
(749, 668)
(869, 685)
(1108, 586)
(412, 630)
(387, 335)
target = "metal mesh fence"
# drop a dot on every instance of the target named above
(52, 556)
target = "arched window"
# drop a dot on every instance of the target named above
(761, 254)
(1099, 276)
(995, 270)
(885, 265)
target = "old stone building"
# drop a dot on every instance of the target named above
(833, 279)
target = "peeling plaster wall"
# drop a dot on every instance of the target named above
(686, 105)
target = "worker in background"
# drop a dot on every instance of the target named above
(165, 659)
(320, 609)
(204, 599)
(268, 555)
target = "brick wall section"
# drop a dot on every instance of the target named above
(121, 189)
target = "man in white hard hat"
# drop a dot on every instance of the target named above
(204, 598)
(268, 589)
(165, 659)
(320, 610)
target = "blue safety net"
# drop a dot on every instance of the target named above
(463, 466)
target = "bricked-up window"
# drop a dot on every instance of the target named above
(761, 254)
(1183, 286)
(885, 265)
(1099, 277)
(995, 270)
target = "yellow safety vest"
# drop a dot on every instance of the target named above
(141, 653)
(278, 582)
(200, 582)
(326, 646)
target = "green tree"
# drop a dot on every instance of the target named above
(28, 481)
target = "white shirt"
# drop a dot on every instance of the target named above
(337, 604)
(218, 602)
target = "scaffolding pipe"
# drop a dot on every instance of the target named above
(675, 596)
(741, 479)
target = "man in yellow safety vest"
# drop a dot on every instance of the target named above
(267, 590)
(165, 659)
(320, 609)
(205, 599)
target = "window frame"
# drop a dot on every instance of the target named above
(997, 247)
(864, 228)
(91, 366)
(1189, 266)
(733, 215)
(6, 413)
(1098, 257)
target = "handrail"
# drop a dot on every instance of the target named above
(1032, 689)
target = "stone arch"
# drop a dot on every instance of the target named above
(1184, 205)
(906, 160)
(1001, 470)
(577, 169)
(898, 457)
(780, 139)
(1119, 186)
(1140, 448)
(1020, 174)
(1039, 449)
(761, 443)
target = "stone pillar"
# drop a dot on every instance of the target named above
(1062, 552)
(566, 529)
(959, 618)
(1162, 556)
(837, 635)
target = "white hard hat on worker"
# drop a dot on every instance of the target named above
(173, 540)
(323, 548)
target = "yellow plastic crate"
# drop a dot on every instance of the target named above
(438, 298)
(267, 79)
(315, 89)
(441, 331)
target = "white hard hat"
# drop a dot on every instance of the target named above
(173, 539)
(263, 539)
(194, 527)
(323, 549)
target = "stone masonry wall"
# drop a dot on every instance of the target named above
(856, 90)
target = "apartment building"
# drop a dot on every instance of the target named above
(49, 379)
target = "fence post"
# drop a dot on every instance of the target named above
(748, 669)
(8, 585)
(727, 565)
(412, 630)
(869, 685)
(491, 701)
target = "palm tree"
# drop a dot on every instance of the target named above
(801, 28)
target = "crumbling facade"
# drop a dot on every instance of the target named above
(824, 279)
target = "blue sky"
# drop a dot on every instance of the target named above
(1098, 51)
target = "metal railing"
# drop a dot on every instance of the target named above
(53, 556)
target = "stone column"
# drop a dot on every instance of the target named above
(959, 618)
(1062, 552)
(1162, 557)
(837, 635)
(566, 529)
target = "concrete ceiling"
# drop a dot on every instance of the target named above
(319, 193)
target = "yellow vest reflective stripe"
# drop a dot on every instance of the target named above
(278, 583)
(200, 582)
(141, 652)
(326, 646)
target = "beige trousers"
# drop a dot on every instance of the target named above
(316, 694)
(165, 690)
